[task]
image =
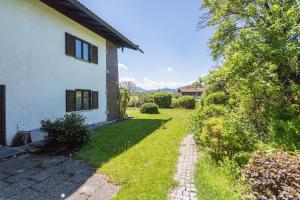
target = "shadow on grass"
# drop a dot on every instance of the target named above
(112, 140)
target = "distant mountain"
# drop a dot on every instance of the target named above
(141, 90)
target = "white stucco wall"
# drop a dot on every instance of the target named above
(35, 69)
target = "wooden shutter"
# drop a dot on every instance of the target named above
(70, 100)
(70, 45)
(94, 54)
(95, 100)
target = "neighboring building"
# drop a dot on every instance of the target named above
(56, 57)
(191, 90)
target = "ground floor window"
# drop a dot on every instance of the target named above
(83, 100)
(78, 100)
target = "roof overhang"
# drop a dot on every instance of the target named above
(82, 15)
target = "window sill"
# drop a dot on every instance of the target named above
(79, 59)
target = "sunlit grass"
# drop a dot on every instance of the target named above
(140, 154)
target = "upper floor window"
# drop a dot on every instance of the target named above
(80, 49)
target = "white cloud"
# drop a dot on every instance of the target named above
(122, 66)
(169, 69)
(154, 85)
(149, 84)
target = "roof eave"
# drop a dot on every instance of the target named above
(82, 15)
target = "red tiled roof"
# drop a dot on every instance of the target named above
(191, 88)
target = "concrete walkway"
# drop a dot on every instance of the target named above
(185, 171)
(34, 177)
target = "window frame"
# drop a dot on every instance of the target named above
(82, 43)
(82, 91)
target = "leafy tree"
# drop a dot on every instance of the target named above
(199, 83)
(258, 44)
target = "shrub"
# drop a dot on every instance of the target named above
(163, 99)
(144, 98)
(124, 99)
(286, 133)
(216, 98)
(150, 108)
(175, 103)
(187, 102)
(70, 130)
(274, 175)
(226, 136)
(132, 103)
(176, 95)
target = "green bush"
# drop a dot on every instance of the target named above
(124, 99)
(218, 97)
(132, 103)
(176, 95)
(225, 137)
(150, 108)
(70, 130)
(163, 99)
(187, 102)
(144, 98)
(273, 175)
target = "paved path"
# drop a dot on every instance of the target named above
(185, 171)
(33, 177)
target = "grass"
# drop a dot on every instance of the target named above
(139, 154)
(213, 183)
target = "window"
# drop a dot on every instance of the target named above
(83, 100)
(78, 52)
(80, 49)
(77, 100)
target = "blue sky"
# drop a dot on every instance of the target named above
(176, 53)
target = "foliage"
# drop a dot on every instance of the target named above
(254, 95)
(224, 137)
(70, 130)
(200, 82)
(274, 175)
(187, 102)
(144, 98)
(163, 99)
(150, 108)
(139, 151)
(124, 99)
(258, 42)
(132, 103)
(129, 85)
(176, 95)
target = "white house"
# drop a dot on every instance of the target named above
(56, 57)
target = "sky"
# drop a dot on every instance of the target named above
(176, 51)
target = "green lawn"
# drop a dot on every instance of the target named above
(213, 183)
(139, 154)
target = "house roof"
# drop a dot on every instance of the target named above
(191, 89)
(82, 15)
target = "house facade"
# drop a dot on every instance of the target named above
(191, 90)
(56, 57)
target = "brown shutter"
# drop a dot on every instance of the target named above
(94, 54)
(70, 45)
(70, 100)
(95, 100)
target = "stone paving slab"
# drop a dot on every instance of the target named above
(185, 171)
(35, 177)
